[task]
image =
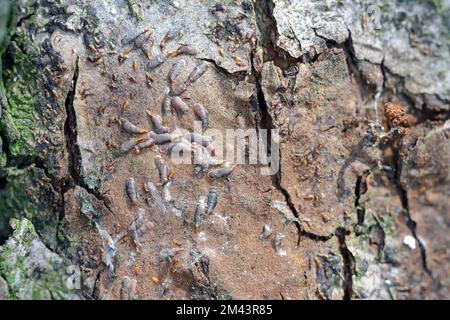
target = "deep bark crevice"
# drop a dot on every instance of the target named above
(71, 134)
(263, 12)
(238, 76)
(267, 123)
(360, 189)
(403, 195)
(348, 263)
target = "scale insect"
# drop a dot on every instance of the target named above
(173, 33)
(186, 49)
(162, 168)
(166, 106)
(147, 143)
(129, 127)
(161, 138)
(223, 172)
(211, 201)
(179, 105)
(198, 71)
(157, 61)
(154, 196)
(176, 69)
(131, 190)
(202, 114)
(204, 141)
(130, 144)
(157, 121)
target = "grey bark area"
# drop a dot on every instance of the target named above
(359, 91)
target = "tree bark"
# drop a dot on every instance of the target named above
(359, 95)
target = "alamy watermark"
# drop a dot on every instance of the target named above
(228, 147)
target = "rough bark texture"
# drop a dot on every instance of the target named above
(359, 90)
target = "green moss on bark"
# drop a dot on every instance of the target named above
(30, 269)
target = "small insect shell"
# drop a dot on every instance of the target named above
(176, 70)
(130, 127)
(163, 169)
(212, 200)
(162, 138)
(174, 32)
(158, 127)
(157, 61)
(202, 114)
(179, 105)
(130, 187)
(198, 71)
(166, 106)
(223, 172)
(188, 50)
(130, 144)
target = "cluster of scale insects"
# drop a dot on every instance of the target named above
(167, 139)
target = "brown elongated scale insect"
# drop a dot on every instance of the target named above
(162, 138)
(204, 141)
(186, 49)
(166, 192)
(137, 40)
(201, 114)
(109, 248)
(174, 32)
(179, 105)
(157, 61)
(203, 158)
(177, 88)
(130, 144)
(199, 157)
(158, 127)
(155, 196)
(128, 288)
(223, 172)
(132, 193)
(141, 39)
(147, 143)
(178, 148)
(211, 201)
(198, 71)
(278, 243)
(176, 69)
(162, 168)
(199, 212)
(166, 106)
(130, 127)
(138, 227)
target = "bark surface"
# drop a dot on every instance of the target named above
(360, 94)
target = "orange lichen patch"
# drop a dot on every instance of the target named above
(395, 114)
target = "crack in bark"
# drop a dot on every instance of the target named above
(348, 260)
(410, 223)
(267, 123)
(238, 75)
(72, 147)
(360, 189)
